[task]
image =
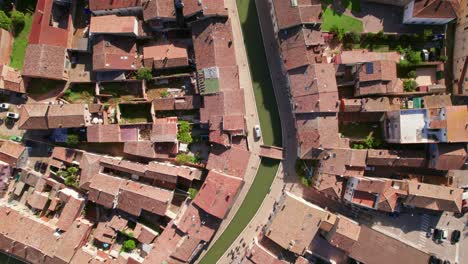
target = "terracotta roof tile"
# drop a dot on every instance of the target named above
(103, 133)
(96, 5)
(197, 223)
(213, 43)
(159, 9)
(376, 247)
(306, 11)
(44, 61)
(135, 197)
(232, 161)
(436, 9)
(67, 115)
(10, 79)
(207, 8)
(434, 197)
(112, 24)
(217, 194)
(165, 55)
(164, 130)
(144, 234)
(114, 53)
(33, 116)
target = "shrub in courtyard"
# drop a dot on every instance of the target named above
(409, 85)
(5, 21)
(144, 74)
(412, 74)
(129, 245)
(17, 21)
(184, 133)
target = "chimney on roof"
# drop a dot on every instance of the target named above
(419, 186)
(451, 191)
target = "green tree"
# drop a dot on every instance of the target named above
(72, 139)
(338, 31)
(443, 58)
(414, 57)
(17, 20)
(144, 74)
(409, 85)
(129, 245)
(164, 94)
(184, 133)
(5, 21)
(412, 74)
(185, 158)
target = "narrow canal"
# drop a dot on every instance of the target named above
(271, 130)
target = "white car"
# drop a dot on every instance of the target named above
(4, 106)
(257, 131)
(13, 115)
(444, 234)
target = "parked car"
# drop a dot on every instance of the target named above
(13, 115)
(4, 106)
(16, 138)
(429, 232)
(257, 131)
(434, 260)
(437, 235)
(444, 234)
(37, 165)
(425, 55)
(43, 167)
(455, 236)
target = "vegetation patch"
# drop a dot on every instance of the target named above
(20, 42)
(80, 93)
(184, 133)
(135, 113)
(38, 87)
(333, 19)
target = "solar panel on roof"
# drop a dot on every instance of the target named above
(370, 68)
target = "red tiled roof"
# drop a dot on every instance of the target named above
(316, 132)
(38, 200)
(114, 53)
(159, 9)
(104, 189)
(213, 43)
(10, 79)
(378, 77)
(6, 46)
(186, 250)
(45, 61)
(96, 5)
(135, 197)
(10, 152)
(314, 88)
(449, 157)
(376, 247)
(436, 8)
(197, 223)
(217, 193)
(103, 133)
(164, 130)
(207, 7)
(165, 55)
(434, 197)
(164, 245)
(70, 212)
(67, 115)
(42, 32)
(232, 161)
(258, 254)
(306, 11)
(361, 56)
(112, 24)
(33, 116)
(144, 234)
